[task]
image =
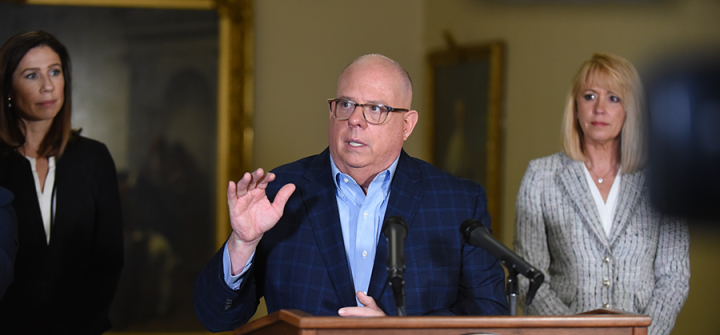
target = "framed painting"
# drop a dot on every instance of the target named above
(166, 85)
(467, 99)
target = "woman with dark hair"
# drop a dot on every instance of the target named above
(66, 198)
(584, 216)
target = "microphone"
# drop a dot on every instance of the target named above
(395, 230)
(476, 234)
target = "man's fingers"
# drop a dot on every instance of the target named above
(232, 188)
(359, 311)
(250, 181)
(282, 196)
(366, 300)
(242, 185)
(370, 309)
(257, 177)
(266, 179)
(353, 311)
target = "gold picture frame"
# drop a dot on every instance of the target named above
(235, 84)
(466, 108)
(234, 98)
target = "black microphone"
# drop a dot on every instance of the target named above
(395, 229)
(476, 234)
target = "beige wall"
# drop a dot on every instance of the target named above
(546, 44)
(302, 47)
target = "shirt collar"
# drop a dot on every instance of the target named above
(389, 173)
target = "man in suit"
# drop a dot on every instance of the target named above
(307, 235)
(8, 239)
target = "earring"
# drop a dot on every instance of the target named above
(9, 103)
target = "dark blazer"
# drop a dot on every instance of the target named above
(65, 287)
(301, 262)
(8, 239)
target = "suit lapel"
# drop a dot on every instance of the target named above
(573, 179)
(631, 190)
(321, 204)
(63, 175)
(18, 178)
(404, 201)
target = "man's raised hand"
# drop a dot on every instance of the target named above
(252, 214)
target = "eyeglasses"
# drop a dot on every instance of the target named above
(341, 109)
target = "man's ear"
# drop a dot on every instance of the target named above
(409, 122)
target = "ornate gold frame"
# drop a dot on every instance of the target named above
(235, 85)
(494, 53)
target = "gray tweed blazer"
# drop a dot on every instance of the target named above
(643, 267)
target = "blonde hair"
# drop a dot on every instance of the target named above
(615, 74)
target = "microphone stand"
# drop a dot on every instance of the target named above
(536, 279)
(512, 290)
(476, 234)
(398, 285)
(395, 230)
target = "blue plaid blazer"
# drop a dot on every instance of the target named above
(301, 262)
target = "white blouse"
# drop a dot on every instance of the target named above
(46, 196)
(606, 209)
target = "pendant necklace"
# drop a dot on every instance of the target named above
(600, 180)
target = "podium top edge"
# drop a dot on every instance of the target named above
(306, 321)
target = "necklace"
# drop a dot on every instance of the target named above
(601, 179)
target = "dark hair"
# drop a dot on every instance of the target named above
(11, 136)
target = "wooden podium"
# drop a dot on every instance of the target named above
(601, 321)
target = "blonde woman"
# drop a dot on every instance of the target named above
(584, 216)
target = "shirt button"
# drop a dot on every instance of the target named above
(606, 305)
(345, 180)
(364, 254)
(365, 215)
(606, 259)
(606, 282)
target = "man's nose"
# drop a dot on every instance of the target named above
(357, 118)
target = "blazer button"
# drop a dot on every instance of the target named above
(228, 303)
(606, 282)
(606, 259)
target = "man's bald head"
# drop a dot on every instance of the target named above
(378, 60)
(359, 148)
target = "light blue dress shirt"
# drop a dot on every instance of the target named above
(361, 219)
